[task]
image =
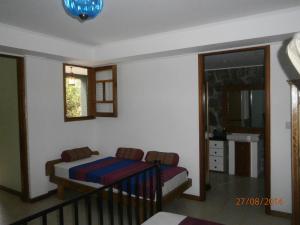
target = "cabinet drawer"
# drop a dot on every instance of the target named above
(216, 144)
(216, 152)
(216, 163)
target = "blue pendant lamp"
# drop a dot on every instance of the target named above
(83, 9)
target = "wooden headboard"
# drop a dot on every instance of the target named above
(50, 165)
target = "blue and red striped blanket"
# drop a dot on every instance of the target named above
(109, 170)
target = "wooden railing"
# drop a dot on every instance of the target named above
(137, 197)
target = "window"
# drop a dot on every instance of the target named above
(77, 90)
(106, 91)
(90, 92)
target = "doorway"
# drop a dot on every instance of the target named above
(13, 138)
(234, 115)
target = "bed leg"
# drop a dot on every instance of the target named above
(60, 192)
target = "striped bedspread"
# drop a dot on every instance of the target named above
(108, 170)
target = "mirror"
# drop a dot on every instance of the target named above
(244, 109)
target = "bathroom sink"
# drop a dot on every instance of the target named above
(242, 137)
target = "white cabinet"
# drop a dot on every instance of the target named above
(218, 156)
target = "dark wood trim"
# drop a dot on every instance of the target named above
(105, 101)
(191, 197)
(105, 114)
(79, 118)
(235, 50)
(11, 191)
(242, 159)
(92, 109)
(245, 130)
(267, 129)
(76, 65)
(280, 214)
(295, 153)
(115, 91)
(104, 68)
(23, 129)
(44, 196)
(64, 91)
(105, 81)
(91, 95)
(114, 82)
(202, 140)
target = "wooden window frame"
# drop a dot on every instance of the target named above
(114, 102)
(90, 94)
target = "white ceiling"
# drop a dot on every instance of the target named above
(125, 19)
(236, 59)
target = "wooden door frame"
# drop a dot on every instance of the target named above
(295, 86)
(267, 130)
(22, 128)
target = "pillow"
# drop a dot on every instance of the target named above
(76, 154)
(130, 153)
(166, 158)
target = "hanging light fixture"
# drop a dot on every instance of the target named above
(83, 9)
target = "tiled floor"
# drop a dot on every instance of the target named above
(219, 207)
(220, 204)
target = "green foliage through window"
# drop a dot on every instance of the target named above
(73, 102)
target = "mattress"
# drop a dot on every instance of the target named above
(62, 170)
(164, 218)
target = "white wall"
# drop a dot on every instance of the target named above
(38, 43)
(48, 134)
(158, 110)
(280, 135)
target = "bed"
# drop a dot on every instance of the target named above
(69, 174)
(164, 218)
(101, 206)
(115, 213)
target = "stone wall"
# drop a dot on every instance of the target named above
(218, 79)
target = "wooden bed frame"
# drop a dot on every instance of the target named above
(138, 208)
(63, 183)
